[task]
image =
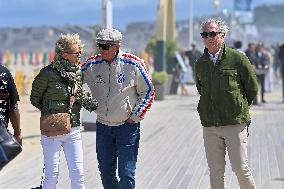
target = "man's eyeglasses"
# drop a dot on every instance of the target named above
(78, 54)
(210, 34)
(105, 46)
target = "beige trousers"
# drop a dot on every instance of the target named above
(234, 138)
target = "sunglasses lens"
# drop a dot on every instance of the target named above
(78, 53)
(204, 34)
(212, 34)
(105, 46)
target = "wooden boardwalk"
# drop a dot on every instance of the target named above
(171, 154)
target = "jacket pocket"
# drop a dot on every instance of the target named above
(228, 79)
(232, 105)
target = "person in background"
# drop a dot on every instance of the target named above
(125, 93)
(251, 54)
(183, 74)
(276, 62)
(281, 57)
(268, 82)
(193, 55)
(58, 89)
(227, 86)
(238, 46)
(261, 68)
(174, 70)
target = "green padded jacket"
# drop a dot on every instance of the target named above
(50, 93)
(226, 89)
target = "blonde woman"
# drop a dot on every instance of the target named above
(51, 94)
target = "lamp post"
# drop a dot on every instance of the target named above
(106, 14)
(190, 26)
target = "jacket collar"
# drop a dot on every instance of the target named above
(116, 58)
(119, 54)
(221, 55)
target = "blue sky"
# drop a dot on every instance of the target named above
(17, 13)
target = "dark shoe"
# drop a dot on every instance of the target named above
(263, 101)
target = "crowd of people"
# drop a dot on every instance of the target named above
(227, 79)
(267, 65)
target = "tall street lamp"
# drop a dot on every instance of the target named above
(190, 26)
(106, 14)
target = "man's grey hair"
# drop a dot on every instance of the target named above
(221, 24)
(65, 42)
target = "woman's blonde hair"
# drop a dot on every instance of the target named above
(65, 42)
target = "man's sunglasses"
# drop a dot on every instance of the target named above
(105, 46)
(210, 34)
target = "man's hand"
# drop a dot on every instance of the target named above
(19, 139)
(91, 104)
(129, 121)
(15, 121)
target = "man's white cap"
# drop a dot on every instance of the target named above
(108, 36)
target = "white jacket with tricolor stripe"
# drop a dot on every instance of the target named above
(123, 88)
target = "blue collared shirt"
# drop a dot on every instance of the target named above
(214, 57)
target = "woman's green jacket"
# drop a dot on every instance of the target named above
(51, 93)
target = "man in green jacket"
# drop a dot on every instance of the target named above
(227, 86)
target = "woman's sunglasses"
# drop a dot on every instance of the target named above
(78, 54)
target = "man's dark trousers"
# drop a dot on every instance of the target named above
(117, 144)
(261, 81)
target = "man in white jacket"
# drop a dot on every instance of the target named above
(124, 90)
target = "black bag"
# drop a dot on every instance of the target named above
(9, 146)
